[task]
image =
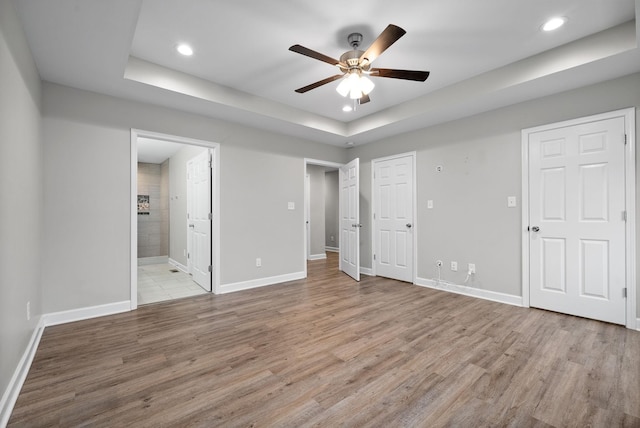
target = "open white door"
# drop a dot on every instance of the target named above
(350, 219)
(199, 218)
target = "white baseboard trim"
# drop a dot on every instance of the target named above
(179, 265)
(494, 296)
(317, 256)
(10, 395)
(638, 324)
(80, 314)
(260, 282)
(332, 249)
(366, 271)
(142, 261)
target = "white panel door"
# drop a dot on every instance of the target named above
(199, 222)
(576, 217)
(349, 207)
(393, 217)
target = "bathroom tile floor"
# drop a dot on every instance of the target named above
(157, 283)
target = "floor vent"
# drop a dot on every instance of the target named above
(174, 270)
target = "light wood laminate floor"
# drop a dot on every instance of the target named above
(328, 351)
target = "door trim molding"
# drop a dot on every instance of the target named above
(630, 201)
(215, 190)
(414, 194)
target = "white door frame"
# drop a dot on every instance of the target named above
(415, 212)
(317, 162)
(307, 210)
(630, 202)
(215, 189)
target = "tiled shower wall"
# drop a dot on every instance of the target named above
(153, 229)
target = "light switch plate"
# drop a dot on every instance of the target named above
(291, 206)
(429, 204)
(511, 201)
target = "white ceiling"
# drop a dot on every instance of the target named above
(481, 54)
(156, 151)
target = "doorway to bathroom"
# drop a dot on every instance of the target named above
(174, 220)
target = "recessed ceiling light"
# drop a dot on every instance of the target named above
(350, 143)
(347, 108)
(554, 23)
(185, 50)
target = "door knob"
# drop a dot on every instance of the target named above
(409, 225)
(535, 229)
(356, 225)
(192, 225)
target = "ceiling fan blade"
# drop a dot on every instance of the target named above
(389, 36)
(315, 55)
(319, 83)
(416, 75)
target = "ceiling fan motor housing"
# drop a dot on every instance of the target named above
(352, 59)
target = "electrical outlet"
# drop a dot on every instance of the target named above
(454, 266)
(472, 268)
(258, 262)
(430, 204)
(439, 263)
(28, 311)
(332, 238)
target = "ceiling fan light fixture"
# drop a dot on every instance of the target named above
(344, 87)
(355, 93)
(355, 85)
(366, 85)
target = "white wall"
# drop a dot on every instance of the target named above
(21, 204)
(261, 172)
(316, 210)
(470, 222)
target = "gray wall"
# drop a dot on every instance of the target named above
(153, 228)
(316, 209)
(331, 209)
(21, 203)
(178, 202)
(260, 173)
(470, 222)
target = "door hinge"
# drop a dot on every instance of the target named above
(210, 268)
(624, 292)
(624, 216)
(210, 216)
(625, 139)
(374, 216)
(188, 255)
(374, 257)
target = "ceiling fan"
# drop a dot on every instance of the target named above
(355, 65)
